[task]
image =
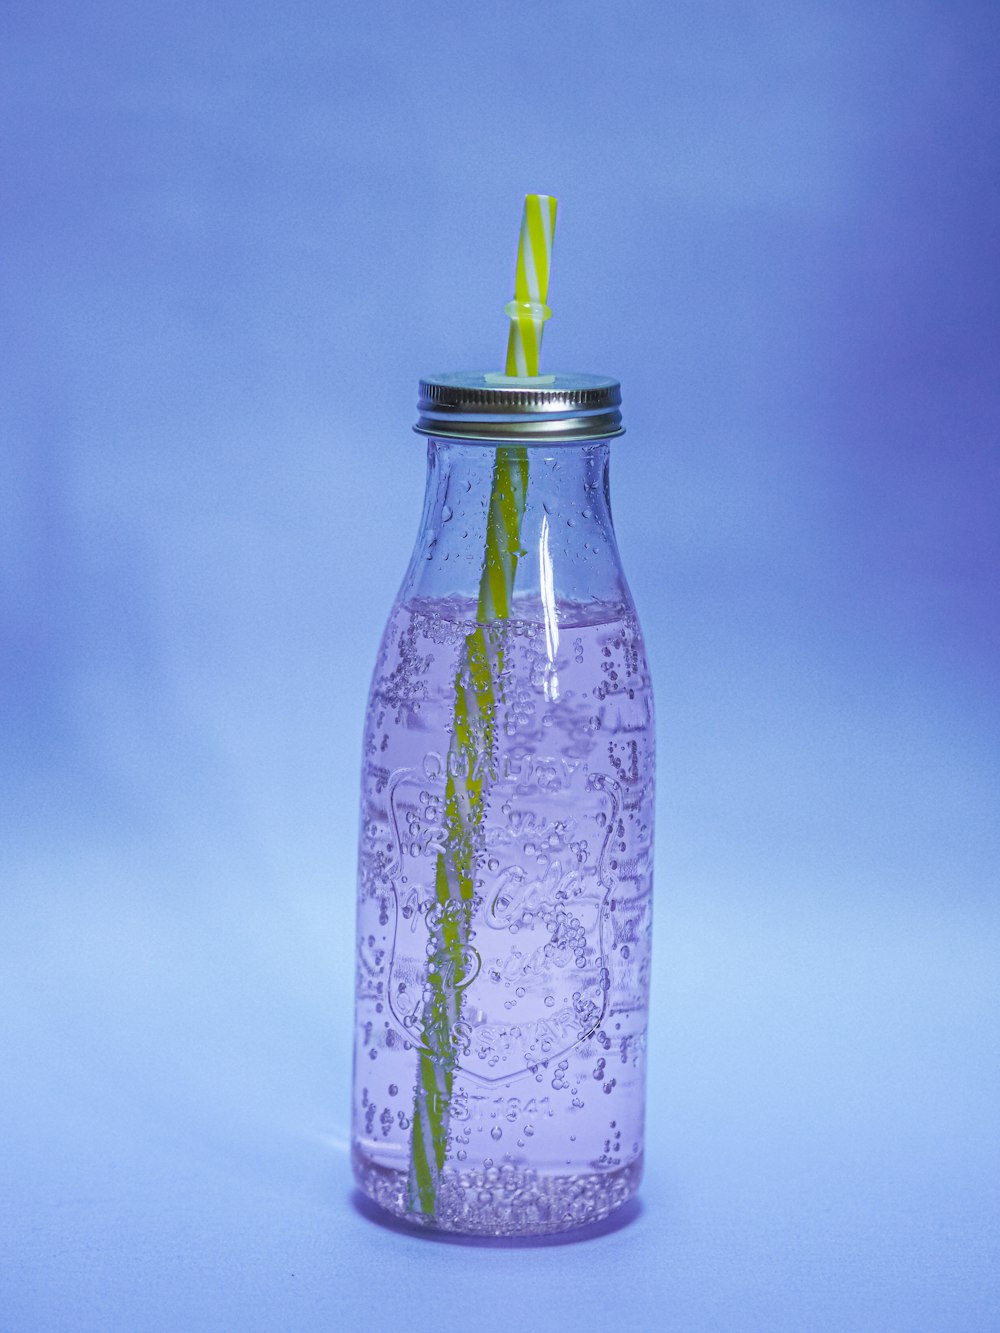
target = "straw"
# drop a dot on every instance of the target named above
(528, 310)
(452, 961)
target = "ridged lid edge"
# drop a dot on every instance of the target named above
(482, 405)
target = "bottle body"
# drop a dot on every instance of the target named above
(505, 878)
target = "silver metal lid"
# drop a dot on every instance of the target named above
(477, 405)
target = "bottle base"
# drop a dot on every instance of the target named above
(509, 1200)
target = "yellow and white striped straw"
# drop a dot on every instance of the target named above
(476, 694)
(528, 311)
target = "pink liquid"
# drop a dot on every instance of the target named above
(545, 1122)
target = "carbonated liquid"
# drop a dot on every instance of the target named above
(545, 1117)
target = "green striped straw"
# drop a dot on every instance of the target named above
(452, 962)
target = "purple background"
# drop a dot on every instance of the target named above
(232, 238)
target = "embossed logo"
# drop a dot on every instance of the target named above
(531, 978)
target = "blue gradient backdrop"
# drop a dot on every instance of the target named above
(233, 236)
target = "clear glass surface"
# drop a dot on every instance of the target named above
(535, 1092)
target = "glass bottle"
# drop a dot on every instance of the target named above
(505, 863)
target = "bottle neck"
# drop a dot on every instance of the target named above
(558, 531)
